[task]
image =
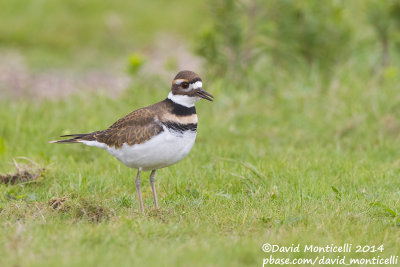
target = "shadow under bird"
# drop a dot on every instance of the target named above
(156, 136)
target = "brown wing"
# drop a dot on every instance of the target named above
(135, 128)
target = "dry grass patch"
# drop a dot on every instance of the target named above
(24, 173)
(59, 204)
(162, 215)
(81, 209)
(92, 211)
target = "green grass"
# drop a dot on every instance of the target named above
(298, 158)
(92, 33)
(310, 163)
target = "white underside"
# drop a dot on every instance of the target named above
(161, 151)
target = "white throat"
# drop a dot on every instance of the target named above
(184, 100)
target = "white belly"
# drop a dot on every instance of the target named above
(161, 151)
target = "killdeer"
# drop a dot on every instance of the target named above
(156, 136)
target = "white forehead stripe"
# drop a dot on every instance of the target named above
(178, 81)
(196, 85)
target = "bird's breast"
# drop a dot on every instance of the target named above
(164, 149)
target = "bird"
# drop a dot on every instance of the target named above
(153, 137)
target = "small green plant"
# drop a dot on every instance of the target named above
(259, 35)
(381, 22)
(222, 42)
(135, 63)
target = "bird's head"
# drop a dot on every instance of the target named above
(187, 88)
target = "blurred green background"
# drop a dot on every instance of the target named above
(300, 145)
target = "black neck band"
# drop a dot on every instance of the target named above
(181, 110)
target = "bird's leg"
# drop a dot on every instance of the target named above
(153, 187)
(139, 192)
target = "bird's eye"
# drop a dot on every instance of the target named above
(184, 85)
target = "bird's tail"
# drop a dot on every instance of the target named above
(75, 138)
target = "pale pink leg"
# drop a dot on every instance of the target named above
(153, 187)
(139, 192)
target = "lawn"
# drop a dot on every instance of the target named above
(306, 160)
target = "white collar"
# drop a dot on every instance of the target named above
(184, 100)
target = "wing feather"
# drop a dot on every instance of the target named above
(135, 128)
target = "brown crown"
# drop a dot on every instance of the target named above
(187, 75)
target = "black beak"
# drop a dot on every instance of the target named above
(205, 95)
